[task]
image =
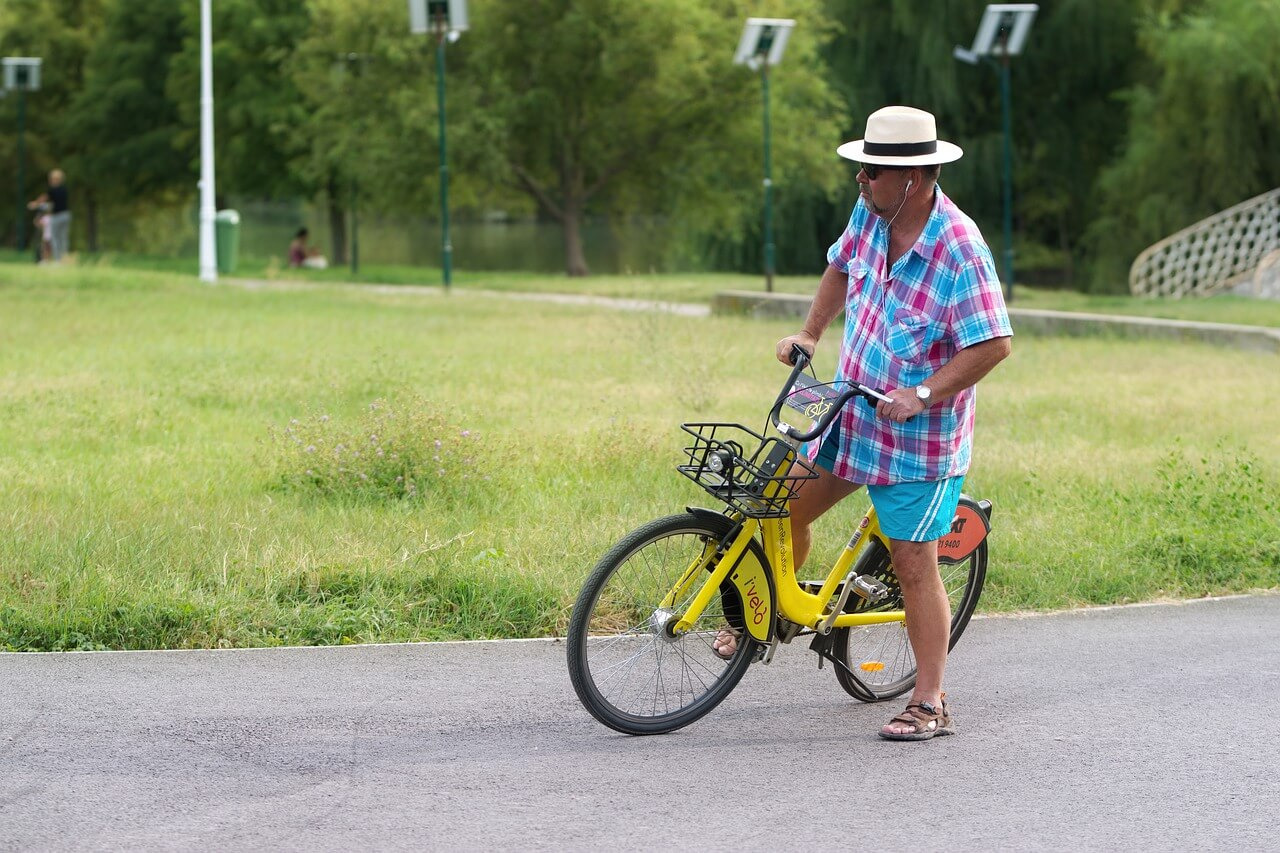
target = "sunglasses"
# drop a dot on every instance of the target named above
(873, 170)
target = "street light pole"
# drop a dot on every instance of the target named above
(769, 247)
(21, 74)
(446, 246)
(1007, 108)
(761, 45)
(446, 19)
(22, 165)
(1002, 32)
(208, 258)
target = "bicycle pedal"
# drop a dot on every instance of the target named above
(870, 589)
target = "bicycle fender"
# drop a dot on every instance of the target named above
(753, 580)
(968, 529)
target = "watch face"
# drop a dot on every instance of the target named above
(923, 393)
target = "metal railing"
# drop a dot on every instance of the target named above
(1214, 254)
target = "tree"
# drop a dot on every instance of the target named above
(1066, 125)
(626, 105)
(61, 33)
(1204, 127)
(256, 106)
(126, 126)
(370, 123)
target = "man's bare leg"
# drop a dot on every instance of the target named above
(928, 619)
(813, 498)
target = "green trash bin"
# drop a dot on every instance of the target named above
(226, 229)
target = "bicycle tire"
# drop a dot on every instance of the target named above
(881, 654)
(628, 672)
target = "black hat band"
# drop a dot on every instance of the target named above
(899, 149)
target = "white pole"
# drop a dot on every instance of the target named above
(208, 258)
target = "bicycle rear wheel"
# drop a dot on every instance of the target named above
(628, 669)
(881, 655)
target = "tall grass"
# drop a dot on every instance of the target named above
(146, 497)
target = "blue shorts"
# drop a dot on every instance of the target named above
(911, 512)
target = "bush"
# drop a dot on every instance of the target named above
(388, 452)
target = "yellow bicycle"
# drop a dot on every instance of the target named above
(640, 642)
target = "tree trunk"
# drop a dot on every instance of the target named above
(91, 220)
(1064, 241)
(337, 225)
(575, 260)
(573, 193)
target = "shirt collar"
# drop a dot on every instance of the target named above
(928, 235)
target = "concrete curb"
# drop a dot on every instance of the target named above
(1039, 322)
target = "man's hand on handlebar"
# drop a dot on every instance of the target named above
(804, 340)
(905, 406)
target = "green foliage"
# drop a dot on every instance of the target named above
(257, 109)
(1065, 124)
(1219, 517)
(61, 33)
(626, 106)
(632, 110)
(352, 66)
(390, 452)
(1202, 128)
(126, 123)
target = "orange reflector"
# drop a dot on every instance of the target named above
(871, 666)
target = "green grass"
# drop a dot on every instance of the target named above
(1215, 309)
(681, 287)
(151, 497)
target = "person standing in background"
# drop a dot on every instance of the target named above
(59, 215)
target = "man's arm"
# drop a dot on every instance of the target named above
(828, 302)
(964, 370)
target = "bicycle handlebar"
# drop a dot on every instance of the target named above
(800, 357)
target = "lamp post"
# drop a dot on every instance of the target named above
(762, 43)
(208, 207)
(445, 19)
(1002, 34)
(22, 75)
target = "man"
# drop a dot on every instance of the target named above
(59, 213)
(924, 320)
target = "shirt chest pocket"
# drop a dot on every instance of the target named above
(910, 334)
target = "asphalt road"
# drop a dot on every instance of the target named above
(1110, 729)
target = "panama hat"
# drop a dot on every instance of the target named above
(900, 136)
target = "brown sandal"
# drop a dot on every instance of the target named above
(926, 721)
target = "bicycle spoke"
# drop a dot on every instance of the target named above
(627, 667)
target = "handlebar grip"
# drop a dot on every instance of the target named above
(799, 356)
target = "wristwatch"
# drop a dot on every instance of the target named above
(924, 394)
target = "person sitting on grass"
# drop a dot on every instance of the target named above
(302, 255)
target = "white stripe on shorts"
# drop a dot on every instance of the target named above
(931, 514)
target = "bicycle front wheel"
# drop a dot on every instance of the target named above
(880, 655)
(627, 667)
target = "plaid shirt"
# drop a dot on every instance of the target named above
(901, 326)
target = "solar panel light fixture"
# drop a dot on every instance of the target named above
(763, 41)
(1002, 32)
(21, 73)
(425, 16)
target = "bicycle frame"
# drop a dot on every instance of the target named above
(757, 585)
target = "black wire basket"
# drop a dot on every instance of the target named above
(740, 467)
